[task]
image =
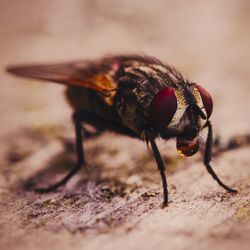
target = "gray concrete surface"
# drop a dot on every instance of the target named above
(115, 202)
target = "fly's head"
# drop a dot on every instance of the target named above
(181, 112)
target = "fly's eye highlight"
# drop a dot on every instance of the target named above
(206, 99)
(163, 107)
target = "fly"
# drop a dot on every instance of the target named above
(137, 96)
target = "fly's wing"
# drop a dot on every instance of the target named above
(97, 76)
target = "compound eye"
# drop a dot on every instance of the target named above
(163, 107)
(206, 99)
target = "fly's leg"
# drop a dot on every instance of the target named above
(101, 125)
(80, 157)
(208, 156)
(161, 169)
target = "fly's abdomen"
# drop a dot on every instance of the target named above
(79, 98)
(89, 100)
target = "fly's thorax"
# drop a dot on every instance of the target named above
(132, 104)
(139, 84)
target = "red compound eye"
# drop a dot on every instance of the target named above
(206, 99)
(163, 107)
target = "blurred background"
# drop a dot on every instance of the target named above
(208, 41)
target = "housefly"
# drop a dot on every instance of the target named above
(137, 96)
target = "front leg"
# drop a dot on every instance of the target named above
(208, 156)
(161, 169)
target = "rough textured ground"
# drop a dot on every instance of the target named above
(115, 202)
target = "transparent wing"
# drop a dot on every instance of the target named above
(84, 74)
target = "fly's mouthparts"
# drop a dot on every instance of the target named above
(187, 147)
